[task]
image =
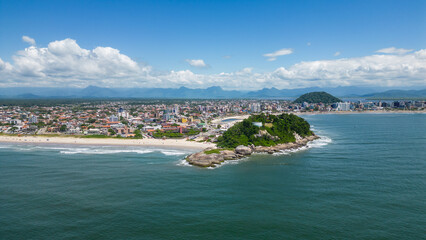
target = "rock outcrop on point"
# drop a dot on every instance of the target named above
(243, 150)
(202, 159)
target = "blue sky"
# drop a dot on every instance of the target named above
(162, 37)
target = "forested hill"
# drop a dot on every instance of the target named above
(317, 97)
(274, 130)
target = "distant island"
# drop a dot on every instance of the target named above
(258, 133)
(317, 97)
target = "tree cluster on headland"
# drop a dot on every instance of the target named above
(265, 130)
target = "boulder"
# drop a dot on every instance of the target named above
(229, 155)
(205, 160)
(243, 150)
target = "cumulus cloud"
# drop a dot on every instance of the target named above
(65, 60)
(65, 64)
(393, 50)
(28, 40)
(196, 62)
(273, 56)
(375, 70)
(336, 54)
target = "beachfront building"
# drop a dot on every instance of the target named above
(343, 106)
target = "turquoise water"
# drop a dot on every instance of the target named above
(366, 179)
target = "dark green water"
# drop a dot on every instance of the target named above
(365, 180)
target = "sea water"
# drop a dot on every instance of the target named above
(364, 179)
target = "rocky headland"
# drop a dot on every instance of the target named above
(212, 157)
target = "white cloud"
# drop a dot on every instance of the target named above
(375, 70)
(196, 62)
(336, 54)
(393, 50)
(273, 56)
(227, 56)
(29, 40)
(65, 63)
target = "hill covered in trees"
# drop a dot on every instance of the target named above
(274, 130)
(317, 97)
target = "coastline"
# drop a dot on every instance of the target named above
(244, 116)
(361, 112)
(167, 143)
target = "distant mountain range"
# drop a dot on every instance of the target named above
(398, 94)
(207, 93)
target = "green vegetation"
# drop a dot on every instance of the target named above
(95, 136)
(159, 134)
(218, 150)
(63, 128)
(276, 130)
(192, 132)
(138, 134)
(317, 97)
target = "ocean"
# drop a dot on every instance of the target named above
(365, 179)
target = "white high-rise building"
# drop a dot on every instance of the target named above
(343, 106)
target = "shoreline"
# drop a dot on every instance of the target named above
(244, 116)
(166, 143)
(360, 112)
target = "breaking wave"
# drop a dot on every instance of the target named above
(94, 150)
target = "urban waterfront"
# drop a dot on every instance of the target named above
(364, 179)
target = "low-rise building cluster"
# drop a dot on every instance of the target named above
(191, 119)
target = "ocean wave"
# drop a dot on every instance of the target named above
(320, 142)
(102, 151)
(317, 143)
(119, 151)
(172, 152)
(230, 162)
(94, 150)
(184, 163)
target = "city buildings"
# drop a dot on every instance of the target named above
(191, 119)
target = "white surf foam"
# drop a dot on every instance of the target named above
(172, 152)
(184, 163)
(320, 142)
(317, 143)
(230, 162)
(118, 151)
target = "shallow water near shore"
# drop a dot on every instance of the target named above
(365, 179)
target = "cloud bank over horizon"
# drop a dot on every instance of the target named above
(64, 63)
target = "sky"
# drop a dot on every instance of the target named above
(244, 45)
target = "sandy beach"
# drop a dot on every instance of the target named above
(171, 143)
